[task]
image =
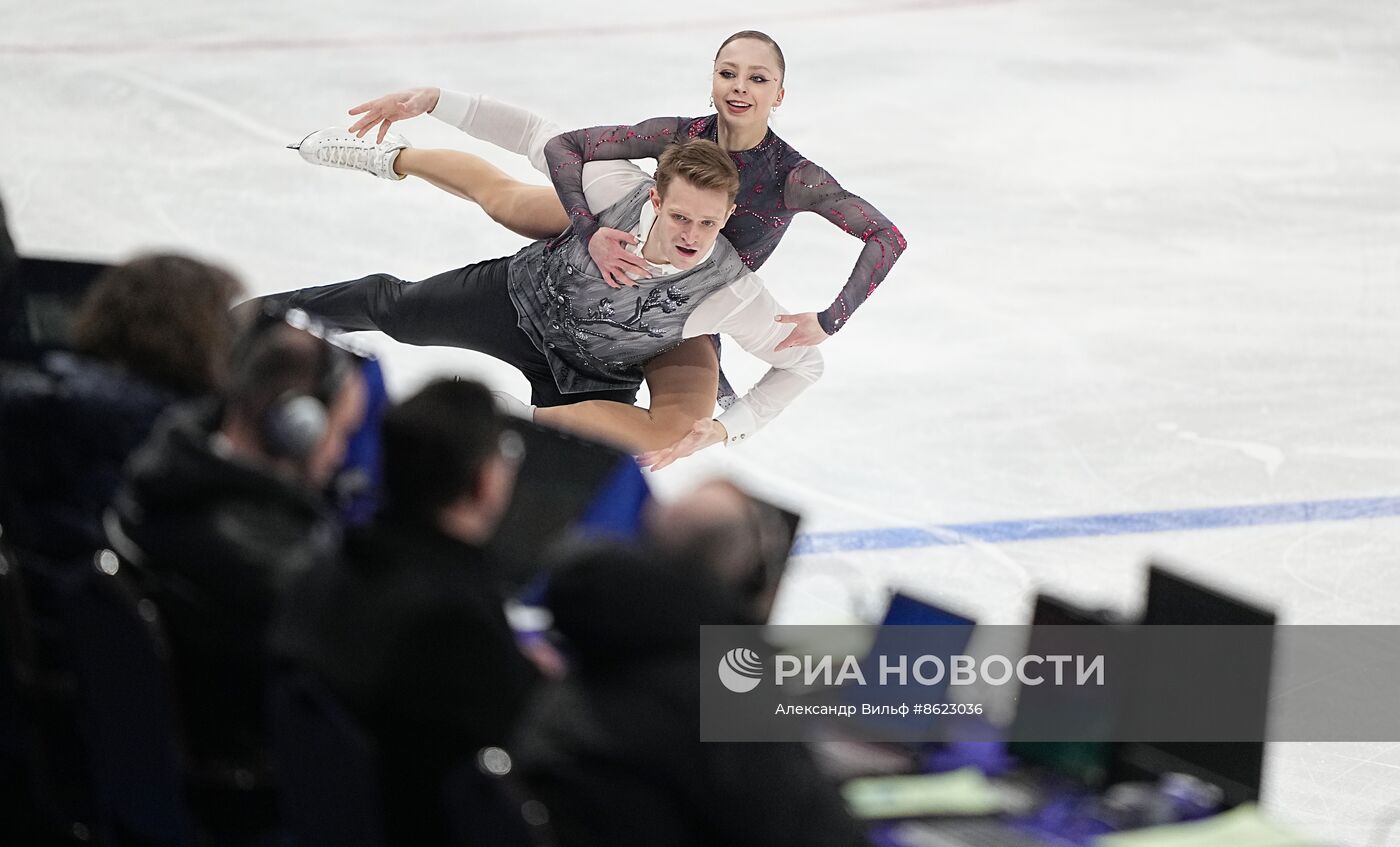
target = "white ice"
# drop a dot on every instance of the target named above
(1154, 258)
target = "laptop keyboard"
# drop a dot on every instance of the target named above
(978, 833)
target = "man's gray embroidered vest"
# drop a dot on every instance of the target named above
(597, 337)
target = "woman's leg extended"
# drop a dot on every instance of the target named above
(682, 382)
(533, 211)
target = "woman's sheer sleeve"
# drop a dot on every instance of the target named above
(566, 154)
(810, 188)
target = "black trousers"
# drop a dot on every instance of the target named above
(468, 307)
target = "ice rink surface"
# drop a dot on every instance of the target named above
(1153, 266)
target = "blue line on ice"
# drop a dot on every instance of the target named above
(1089, 526)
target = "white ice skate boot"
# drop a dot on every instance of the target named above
(339, 148)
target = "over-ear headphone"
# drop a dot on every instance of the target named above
(295, 422)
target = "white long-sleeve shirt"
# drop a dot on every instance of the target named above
(744, 310)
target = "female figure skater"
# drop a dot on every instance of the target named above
(776, 182)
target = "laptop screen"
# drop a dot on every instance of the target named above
(1236, 767)
(948, 633)
(907, 611)
(1082, 762)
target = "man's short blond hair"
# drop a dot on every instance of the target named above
(701, 163)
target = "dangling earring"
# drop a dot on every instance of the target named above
(712, 101)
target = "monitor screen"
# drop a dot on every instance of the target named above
(38, 302)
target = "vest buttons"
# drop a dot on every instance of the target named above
(568, 269)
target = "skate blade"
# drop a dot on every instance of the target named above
(297, 146)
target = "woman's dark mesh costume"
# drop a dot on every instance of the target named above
(775, 183)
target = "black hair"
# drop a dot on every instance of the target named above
(436, 445)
